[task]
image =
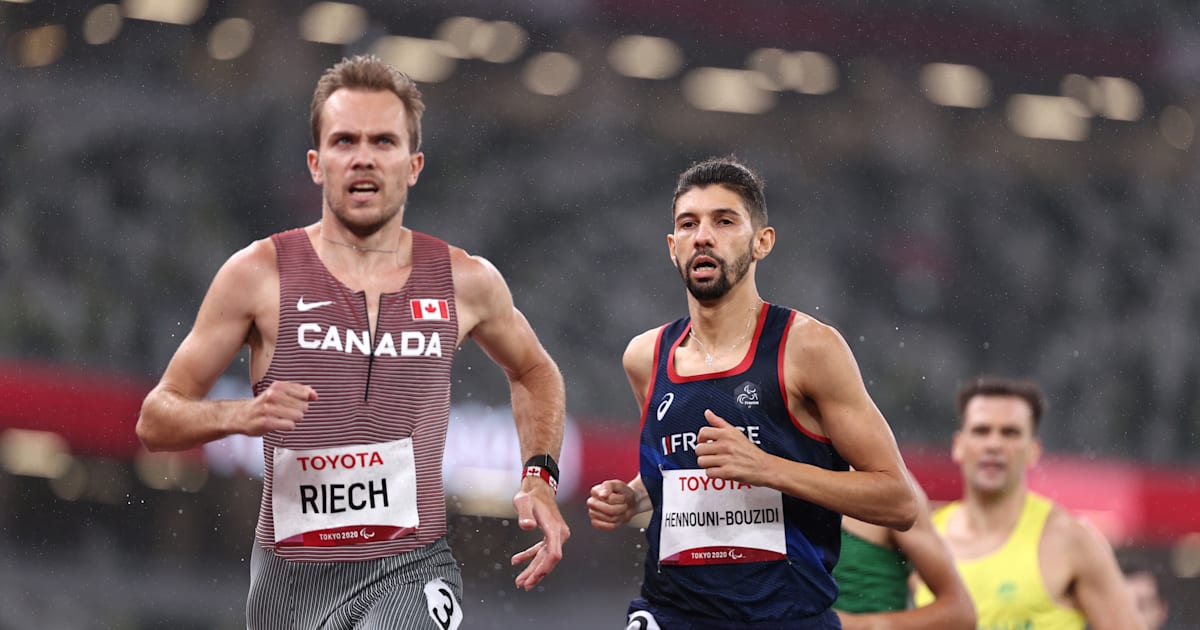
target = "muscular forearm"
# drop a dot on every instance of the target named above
(538, 400)
(878, 497)
(172, 422)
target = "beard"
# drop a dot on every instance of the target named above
(723, 283)
(361, 225)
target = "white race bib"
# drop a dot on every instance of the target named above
(717, 521)
(346, 495)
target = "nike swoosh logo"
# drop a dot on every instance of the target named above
(302, 306)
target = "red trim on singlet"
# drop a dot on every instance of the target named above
(787, 328)
(744, 365)
(653, 375)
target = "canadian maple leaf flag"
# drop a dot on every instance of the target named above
(430, 309)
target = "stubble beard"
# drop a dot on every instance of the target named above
(358, 225)
(730, 275)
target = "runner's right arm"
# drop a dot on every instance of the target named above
(614, 502)
(175, 415)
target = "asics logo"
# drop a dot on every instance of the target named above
(665, 404)
(303, 306)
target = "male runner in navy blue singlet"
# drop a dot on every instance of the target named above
(752, 416)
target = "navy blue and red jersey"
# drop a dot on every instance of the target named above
(752, 397)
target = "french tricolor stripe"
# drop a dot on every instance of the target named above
(666, 445)
(430, 309)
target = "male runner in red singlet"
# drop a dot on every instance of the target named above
(352, 324)
(752, 414)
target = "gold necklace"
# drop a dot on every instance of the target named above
(359, 248)
(708, 356)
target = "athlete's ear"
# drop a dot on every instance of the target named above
(956, 448)
(415, 164)
(1035, 453)
(764, 242)
(314, 167)
(671, 249)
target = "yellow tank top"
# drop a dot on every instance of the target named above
(1006, 585)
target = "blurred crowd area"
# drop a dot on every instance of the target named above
(941, 244)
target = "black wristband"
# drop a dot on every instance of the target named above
(544, 461)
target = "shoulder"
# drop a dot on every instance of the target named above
(640, 350)
(472, 268)
(476, 279)
(820, 362)
(808, 335)
(1070, 528)
(252, 264)
(1077, 538)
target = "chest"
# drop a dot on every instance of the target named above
(1013, 566)
(367, 291)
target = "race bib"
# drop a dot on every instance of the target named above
(717, 521)
(347, 495)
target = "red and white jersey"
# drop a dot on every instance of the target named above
(379, 425)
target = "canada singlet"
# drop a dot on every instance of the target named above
(360, 477)
(724, 549)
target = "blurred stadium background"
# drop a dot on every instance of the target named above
(961, 187)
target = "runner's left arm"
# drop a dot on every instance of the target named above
(538, 402)
(1099, 586)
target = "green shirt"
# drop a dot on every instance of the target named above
(870, 578)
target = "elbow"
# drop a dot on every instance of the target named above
(146, 435)
(905, 510)
(902, 522)
(148, 430)
(964, 617)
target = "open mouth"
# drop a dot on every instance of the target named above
(992, 467)
(363, 189)
(704, 267)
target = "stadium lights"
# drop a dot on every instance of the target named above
(102, 24)
(457, 31)
(33, 453)
(819, 71)
(473, 38)
(1177, 127)
(230, 38)
(727, 90)
(425, 60)
(552, 74)
(1121, 99)
(1114, 98)
(171, 471)
(781, 69)
(1185, 557)
(955, 85)
(805, 71)
(498, 42)
(1048, 117)
(333, 23)
(1082, 89)
(645, 57)
(182, 12)
(41, 46)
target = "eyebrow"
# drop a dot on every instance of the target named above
(374, 135)
(717, 211)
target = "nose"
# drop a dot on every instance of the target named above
(993, 440)
(704, 235)
(364, 157)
